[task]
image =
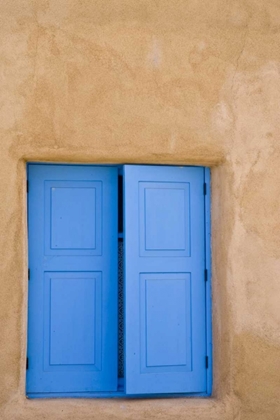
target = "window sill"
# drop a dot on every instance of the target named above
(117, 394)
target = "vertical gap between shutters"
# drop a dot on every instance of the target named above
(120, 281)
(120, 205)
(120, 312)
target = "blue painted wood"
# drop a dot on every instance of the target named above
(173, 240)
(116, 394)
(165, 294)
(165, 299)
(72, 307)
(209, 282)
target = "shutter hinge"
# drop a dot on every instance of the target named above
(206, 274)
(27, 363)
(204, 188)
(28, 273)
(27, 186)
(206, 362)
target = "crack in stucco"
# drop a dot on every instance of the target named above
(246, 32)
(36, 44)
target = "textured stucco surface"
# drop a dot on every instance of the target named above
(155, 81)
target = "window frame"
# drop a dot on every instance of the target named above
(208, 277)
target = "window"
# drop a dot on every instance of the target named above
(119, 302)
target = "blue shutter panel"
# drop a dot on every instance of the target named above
(72, 316)
(164, 280)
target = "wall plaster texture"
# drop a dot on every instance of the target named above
(152, 81)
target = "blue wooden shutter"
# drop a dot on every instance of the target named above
(164, 280)
(72, 317)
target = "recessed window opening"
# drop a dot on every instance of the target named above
(119, 296)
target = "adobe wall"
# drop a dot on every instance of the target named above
(153, 81)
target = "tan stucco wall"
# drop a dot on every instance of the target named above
(156, 81)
